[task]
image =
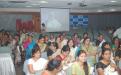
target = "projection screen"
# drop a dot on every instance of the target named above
(54, 20)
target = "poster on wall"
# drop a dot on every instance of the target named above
(78, 21)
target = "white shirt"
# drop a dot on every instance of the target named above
(38, 65)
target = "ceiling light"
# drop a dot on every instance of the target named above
(28, 6)
(113, 1)
(35, 4)
(43, 1)
(99, 10)
(112, 9)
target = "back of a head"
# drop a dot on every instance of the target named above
(53, 43)
(85, 65)
(41, 36)
(65, 48)
(35, 49)
(53, 64)
(104, 44)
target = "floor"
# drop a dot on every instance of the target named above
(19, 69)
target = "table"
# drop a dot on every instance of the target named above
(6, 64)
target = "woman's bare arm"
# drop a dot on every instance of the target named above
(30, 68)
(100, 71)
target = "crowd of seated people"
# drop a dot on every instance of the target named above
(81, 56)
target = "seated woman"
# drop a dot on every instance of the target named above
(27, 41)
(80, 67)
(118, 58)
(46, 39)
(105, 66)
(85, 34)
(52, 38)
(63, 40)
(105, 45)
(116, 50)
(64, 55)
(41, 43)
(52, 48)
(115, 44)
(53, 67)
(76, 39)
(73, 49)
(58, 41)
(35, 64)
(90, 50)
(29, 47)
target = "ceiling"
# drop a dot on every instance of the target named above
(74, 5)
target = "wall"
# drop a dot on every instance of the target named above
(8, 21)
(100, 21)
(96, 21)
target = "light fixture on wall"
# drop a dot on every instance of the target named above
(113, 1)
(28, 6)
(112, 9)
(99, 10)
(43, 1)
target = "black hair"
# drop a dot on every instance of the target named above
(53, 64)
(65, 48)
(75, 34)
(103, 51)
(54, 44)
(41, 36)
(69, 41)
(85, 65)
(86, 39)
(115, 39)
(30, 35)
(100, 34)
(104, 44)
(35, 49)
(85, 33)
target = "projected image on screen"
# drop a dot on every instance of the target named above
(55, 20)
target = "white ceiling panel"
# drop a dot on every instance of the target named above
(85, 5)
